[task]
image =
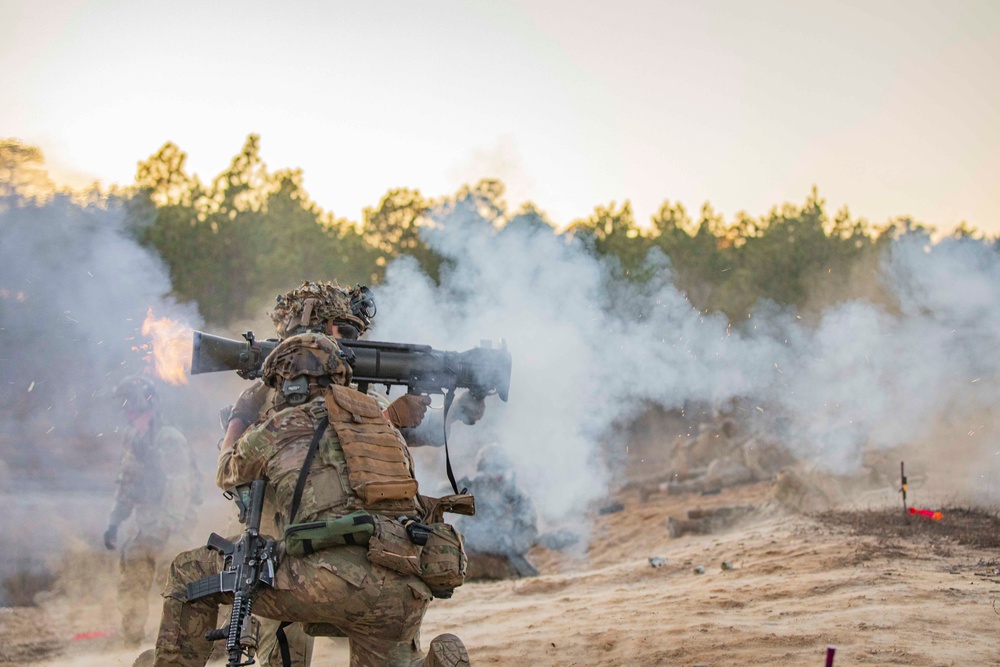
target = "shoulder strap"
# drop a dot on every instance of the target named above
(286, 653)
(449, 397)
(300, 485)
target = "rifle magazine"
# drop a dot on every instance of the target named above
(204, 586)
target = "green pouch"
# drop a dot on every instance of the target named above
(302, 539)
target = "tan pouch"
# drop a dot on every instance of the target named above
(443, 560)
(378, 465)
(391, 547)
(352, 401)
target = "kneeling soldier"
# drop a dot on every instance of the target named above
(354, 557)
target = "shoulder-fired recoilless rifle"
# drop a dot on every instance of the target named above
(483, 370)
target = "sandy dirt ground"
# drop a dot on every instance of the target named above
(797, 585)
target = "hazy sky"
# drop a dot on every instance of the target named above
(889, 107)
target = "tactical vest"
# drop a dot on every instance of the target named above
(366, 467)
(363, 492)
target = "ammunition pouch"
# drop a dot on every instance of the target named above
(440, 562)
(390, 547)
(302, 539)
(379, 469)
(443, 560)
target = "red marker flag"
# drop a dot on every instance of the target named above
(93, 634)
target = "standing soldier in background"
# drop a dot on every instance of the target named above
(340, 313)
(158, 485)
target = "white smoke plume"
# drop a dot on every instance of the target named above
(74, 291)
(923, 373)
(590, 352)
(75, 288)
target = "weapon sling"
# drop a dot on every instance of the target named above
(449, 397)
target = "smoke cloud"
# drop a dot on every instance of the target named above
(591, 351)
(74, 291)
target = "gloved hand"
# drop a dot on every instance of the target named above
(110, 536)
(408, 410)
(467, 408)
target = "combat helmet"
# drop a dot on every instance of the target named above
(136, 393)
(303, 364)
(311, 305)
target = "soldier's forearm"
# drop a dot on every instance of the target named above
(119, 513)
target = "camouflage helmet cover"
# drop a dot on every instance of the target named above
(310, 354)
(312, 304)
(136, 392)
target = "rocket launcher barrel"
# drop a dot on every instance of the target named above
(482, 370)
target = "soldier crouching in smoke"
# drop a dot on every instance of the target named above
(158, 487)
(498, 538)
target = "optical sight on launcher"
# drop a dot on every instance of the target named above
(421, 369)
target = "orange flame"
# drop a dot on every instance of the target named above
(170, 349)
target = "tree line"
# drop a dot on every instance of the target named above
(251, 233)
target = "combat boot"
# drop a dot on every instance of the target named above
(446, 651)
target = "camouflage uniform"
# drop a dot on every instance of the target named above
(378, 609)
(310, 305)
(157, 485)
